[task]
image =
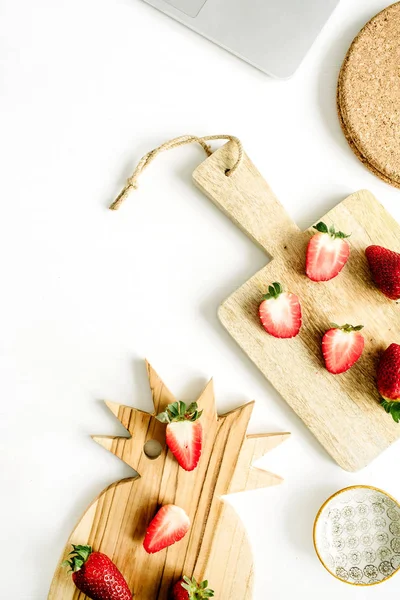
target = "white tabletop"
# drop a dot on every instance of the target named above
(86, 87)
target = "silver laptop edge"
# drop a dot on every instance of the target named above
(272, 35)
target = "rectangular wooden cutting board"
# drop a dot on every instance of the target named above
(342, 411)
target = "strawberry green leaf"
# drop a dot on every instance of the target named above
(321, 227)
(82, 551)
(196, 591)
(274, 291)
(347, 328)
(175, 408)
(78, 557)
(163, 417)
(177, 411)
(392, 408)
(278, 288)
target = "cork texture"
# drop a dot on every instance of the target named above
(368, 96)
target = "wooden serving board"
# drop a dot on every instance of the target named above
(342, 411)
(215, 547)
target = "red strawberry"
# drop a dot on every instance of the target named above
(327, 253)
(388, 380)
(95, 575)
(385, 269)
(342, 347)
(189, 589)
(170, 525)
(184, 433)
(280, 312)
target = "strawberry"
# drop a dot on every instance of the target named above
(327, 253)
(385, 269)
(184, 433)
(95, 575)
(170, 525)
(280, 312)
(388, 380)
(342, 346)
(189, 589)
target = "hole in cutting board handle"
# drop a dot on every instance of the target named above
(152, 449)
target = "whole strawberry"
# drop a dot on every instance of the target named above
(327, 253)
(95, 575)
(184, 435)
(384, 265)
(388, 380)
(189, 589)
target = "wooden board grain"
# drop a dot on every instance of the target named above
(342, 411)
(216, 547)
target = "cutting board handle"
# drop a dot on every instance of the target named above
(246, 199)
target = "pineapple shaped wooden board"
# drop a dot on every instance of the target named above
(343, 411)
(215, 547)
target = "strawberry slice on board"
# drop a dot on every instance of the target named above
(384, 265)
(189, 589)
(96, 575)
(342, 346)
(184, 435)
(388, 380)
(280, 312)
(327, 253)
(169, 525)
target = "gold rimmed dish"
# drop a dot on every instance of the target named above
(357, 535)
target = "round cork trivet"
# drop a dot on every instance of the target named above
(369, 95)
(359, 155)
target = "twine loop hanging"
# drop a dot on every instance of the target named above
(132, 181)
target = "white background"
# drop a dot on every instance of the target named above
(87, 86)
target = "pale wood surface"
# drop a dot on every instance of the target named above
(216, 547)
(342, 411)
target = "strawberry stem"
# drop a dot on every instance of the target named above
(177, 411)
(196, 591)
(347, 328)
(77, 557)
(274, 291)
(392, 408)
(322, 228)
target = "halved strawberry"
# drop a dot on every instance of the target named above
(170, 525)
(280, 312)
(388, 380)
(342, 346)
(184, 433)
(385, 269)
(327, 253)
